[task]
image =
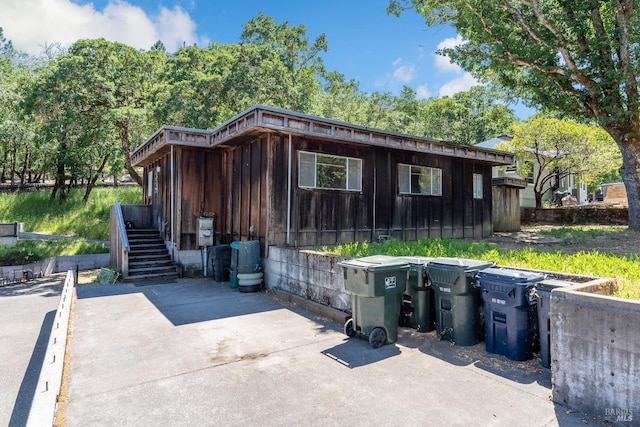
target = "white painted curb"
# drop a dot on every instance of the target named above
(45, 399)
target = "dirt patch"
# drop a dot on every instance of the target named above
(618, 241)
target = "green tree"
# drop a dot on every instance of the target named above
(557, 148)
(340, 99)
(579, 57)
(300, 59)
(91, 102)
(17, 151)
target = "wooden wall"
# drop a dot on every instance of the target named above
(325, 217)
(246, 186)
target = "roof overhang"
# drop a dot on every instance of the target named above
(260, 119)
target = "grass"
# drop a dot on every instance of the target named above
(73, 219)
(577, 234)
(625, 269)
(28, 251)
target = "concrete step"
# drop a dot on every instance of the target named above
(153, 270)
(150, 276)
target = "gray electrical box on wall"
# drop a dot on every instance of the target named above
(206, 231)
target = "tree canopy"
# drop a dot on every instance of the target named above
(558, 148)
(76, 114)
(578, 57)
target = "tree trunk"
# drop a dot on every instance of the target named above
(627, 136)
(25, 166)
(630, 173)
(13, 167)
(60, 180)
(91, 182)
(538, 196)
(123, 125)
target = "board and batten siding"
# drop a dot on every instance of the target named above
(246, 188)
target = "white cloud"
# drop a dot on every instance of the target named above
(443, 63)
(404, 73)
(466, 82)
(31, 24)
(423, 92)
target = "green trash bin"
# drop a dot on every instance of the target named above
(458, 304)
(417, 309)
(543, 291)
(376, 284)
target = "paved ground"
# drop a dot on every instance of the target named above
(27, 311)
(196, 353)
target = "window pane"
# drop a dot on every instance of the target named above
(425, 180)
(477, 186)
(307, 170)
(331, 172)
(355, 174)
(403, 179)
(436, 184)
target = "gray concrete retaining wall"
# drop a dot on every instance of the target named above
(313, 275)
(595, 352)
(595, 338)
(58, 264)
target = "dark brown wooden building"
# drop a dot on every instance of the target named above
(287, 178)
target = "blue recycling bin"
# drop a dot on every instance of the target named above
(543, 291)
(510, 311)
(458, 304)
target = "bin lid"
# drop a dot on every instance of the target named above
(509, 276)
(416, 261)
(376, 263)
(461, 263)
(550, 284)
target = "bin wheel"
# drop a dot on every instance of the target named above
(377, 337)
(349, 329)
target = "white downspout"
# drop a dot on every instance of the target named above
(173, 243)
(289, 196)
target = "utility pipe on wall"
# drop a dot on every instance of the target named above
(289, 195)
(173, 242)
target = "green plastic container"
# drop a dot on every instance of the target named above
(417, 309)
(543, 295)
(233, 280)
(458, 302)
(376, 284)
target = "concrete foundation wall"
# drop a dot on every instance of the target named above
(81, 262)
(313, 275)
(191, 262)
(595, 352)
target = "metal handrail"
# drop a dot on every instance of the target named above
(122, 229)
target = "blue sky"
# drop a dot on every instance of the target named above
(381, 52)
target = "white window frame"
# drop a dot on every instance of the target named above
(307, 179)
(477, 186)
(406, 173)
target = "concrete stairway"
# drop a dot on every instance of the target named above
(149, 258)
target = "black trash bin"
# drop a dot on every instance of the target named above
(220, 262)
(417, 310)
(510, 311)
(543, 291)
(458, 304)
(376, 284)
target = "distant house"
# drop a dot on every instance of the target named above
(286, 178)
(570, 183)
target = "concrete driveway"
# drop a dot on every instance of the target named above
(197, 353)
(27, 312)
